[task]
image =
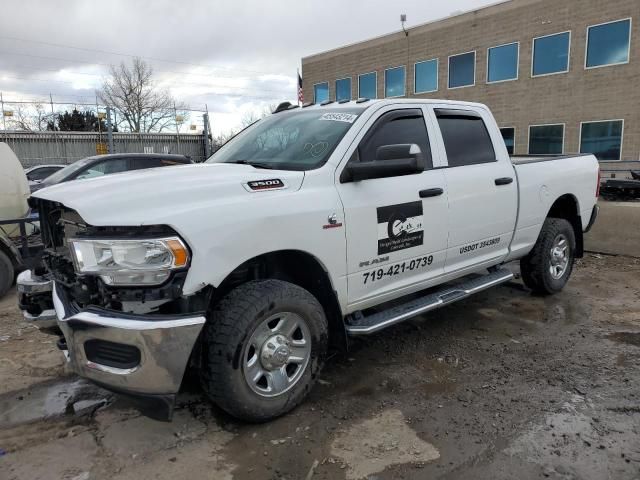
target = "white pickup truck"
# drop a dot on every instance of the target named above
(299, 232)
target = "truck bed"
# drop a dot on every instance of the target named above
(542, 180)
(524, 159)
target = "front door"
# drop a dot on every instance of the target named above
(396, 226)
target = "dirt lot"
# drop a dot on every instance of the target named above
(501, 386)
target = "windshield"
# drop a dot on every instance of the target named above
(65, 172)
(301, 140)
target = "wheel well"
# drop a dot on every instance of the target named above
(9, 252)
(299, 268)
(567, 207)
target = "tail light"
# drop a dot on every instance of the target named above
(598, 184)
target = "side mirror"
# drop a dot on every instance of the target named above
(391, 161)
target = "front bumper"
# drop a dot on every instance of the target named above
(34, 299)
(163, 343)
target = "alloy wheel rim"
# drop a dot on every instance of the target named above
(559, 255)
(277, 354)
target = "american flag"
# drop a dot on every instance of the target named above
(300, 94)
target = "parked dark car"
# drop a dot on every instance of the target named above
(40, 172)
(99, 165)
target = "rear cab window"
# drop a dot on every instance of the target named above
(466, 137)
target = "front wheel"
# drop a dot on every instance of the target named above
(547, 268)
(263, 348)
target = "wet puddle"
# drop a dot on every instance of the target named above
(50, 399)
(377, 443)
(630, 338)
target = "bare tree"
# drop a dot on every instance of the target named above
(222, 138)
(32, 119)
(249, 118)
(252, 116)
(140, 104)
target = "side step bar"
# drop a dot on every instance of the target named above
(358, 324)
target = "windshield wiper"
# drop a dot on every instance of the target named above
(254, 164)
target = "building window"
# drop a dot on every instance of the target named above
(320, 92)
(608, 44)
(343, 89)
(509, 137)
(368, 85)
(546, 139)
(603, 139)
(502, 63)
(394, 80)
(551, 54)
(462, 70)
(426, 76)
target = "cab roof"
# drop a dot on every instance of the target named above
(365, 102)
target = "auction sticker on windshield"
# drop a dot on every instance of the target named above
(340, 117)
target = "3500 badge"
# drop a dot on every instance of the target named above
(398, 269)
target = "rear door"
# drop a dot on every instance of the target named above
(396, 226)
(481, 186)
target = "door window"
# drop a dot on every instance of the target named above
(105, 168)
(140, 163)
(394, 128)
(466, 138)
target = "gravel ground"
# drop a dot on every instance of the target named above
(503, 385)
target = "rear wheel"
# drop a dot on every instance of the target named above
(7, 273)
(263, 348)
(547, 268)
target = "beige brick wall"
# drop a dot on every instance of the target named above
(579, 95)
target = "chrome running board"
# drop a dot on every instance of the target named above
(358, 324)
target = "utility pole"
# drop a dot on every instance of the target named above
(53, 121)
(175, 117)
(205, 132)
(4, 120)
(110, 131)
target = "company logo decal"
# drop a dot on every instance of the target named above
(400, 227)
(270, 184)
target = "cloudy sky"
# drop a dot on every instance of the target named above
(235, 56)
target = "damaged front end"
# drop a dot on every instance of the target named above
(118, 299)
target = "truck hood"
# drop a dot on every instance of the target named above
(148, 197)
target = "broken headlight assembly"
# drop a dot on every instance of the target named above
(129, 262)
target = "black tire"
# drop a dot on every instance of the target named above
(7, 273)
(536, 266)
(229, 329)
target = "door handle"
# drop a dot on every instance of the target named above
(504, 181)
(431, 192)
